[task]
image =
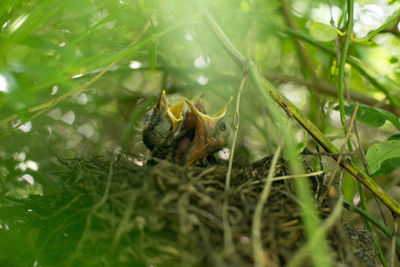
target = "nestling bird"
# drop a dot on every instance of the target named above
(187, 133)
(161, 126)
(210, 133)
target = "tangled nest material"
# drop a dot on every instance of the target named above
(115, 213)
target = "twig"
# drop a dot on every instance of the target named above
(286, 177)
(258, 252)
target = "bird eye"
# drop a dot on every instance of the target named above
(222, 126)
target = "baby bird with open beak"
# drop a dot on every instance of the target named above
(162, 123)
(209, 134)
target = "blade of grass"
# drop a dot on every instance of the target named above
(258, 252)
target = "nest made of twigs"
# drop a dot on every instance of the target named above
(116, 213)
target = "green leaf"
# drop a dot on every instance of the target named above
(374, 117)
(153, 55)
(323, 32)
(384, 157)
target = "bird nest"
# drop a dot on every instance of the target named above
(116, 213)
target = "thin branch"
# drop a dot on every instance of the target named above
(286, 177)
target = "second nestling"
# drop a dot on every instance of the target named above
(184, 137)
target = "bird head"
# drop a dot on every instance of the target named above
(211, 133)
(161, 123)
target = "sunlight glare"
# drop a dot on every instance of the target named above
(55, 113)
(18, 22)
(189, 37)
(379, 96)
(3, 84)
(54, 90)
(77, 76)
(86, 129)
(135, 64)
(202, 62)
(32, 165)
(21, 156)
(82, 99)
(27, 177)
(26, 127)
(203, 80)
(68, 117)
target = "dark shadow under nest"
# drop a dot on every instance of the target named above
(115, 213)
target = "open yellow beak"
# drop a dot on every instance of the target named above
(209, 133)
(174, 113)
